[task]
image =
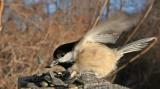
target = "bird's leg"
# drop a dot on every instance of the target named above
(81, 77)
(73, 77)
(88, 80)
(86, 77)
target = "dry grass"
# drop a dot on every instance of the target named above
(26, 53)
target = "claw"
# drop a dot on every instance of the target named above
(73, 74)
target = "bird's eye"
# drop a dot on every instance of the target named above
(61, 54)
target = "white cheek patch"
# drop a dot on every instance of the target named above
(66, 58)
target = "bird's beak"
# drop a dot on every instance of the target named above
(53, 63)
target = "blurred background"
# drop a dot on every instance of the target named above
(30, 31)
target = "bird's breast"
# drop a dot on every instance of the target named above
(97, 58)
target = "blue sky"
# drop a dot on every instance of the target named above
(129, 6)
(51, 6)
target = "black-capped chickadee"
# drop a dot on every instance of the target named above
(91, 55)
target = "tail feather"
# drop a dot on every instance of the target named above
(135, 46)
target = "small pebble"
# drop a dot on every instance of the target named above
(44, 84)
(31, 85)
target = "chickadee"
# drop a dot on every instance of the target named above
(92, 55)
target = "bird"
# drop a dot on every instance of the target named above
(91, 54)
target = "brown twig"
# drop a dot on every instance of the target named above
(130, 36)
(95, 12)
(1, 12)
(108, 8)
(140, 23)
(100, 13)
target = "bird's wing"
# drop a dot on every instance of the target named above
(106, 38)
(134, 46)
(103, 33)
